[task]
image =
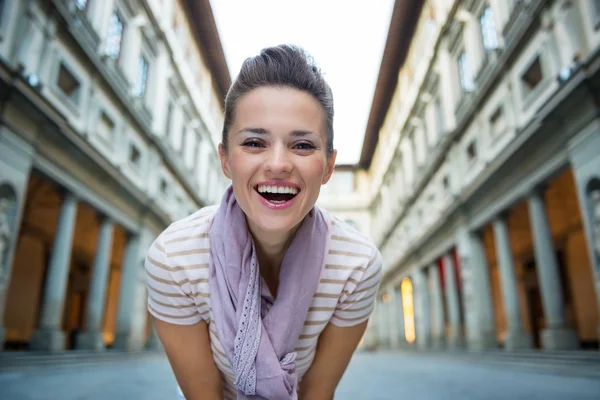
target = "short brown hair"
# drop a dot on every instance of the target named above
(285, 66)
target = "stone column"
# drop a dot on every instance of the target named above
(516, 338)
(483, 295)
(129, 278)
(475, 288)
(393, 319)
(585, 162)
(91, 338)
(49, 336)
(371, 332)
(154, 341)
(384, 328)
(437, 303)
(422, 315)
(556, 336)
(452, 301)
(400, 335)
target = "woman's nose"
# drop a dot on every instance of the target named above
(278, 160)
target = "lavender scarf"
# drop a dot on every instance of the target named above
(258, 337)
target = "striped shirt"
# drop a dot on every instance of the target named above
(178, 289)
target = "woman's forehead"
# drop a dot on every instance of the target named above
(275, 109)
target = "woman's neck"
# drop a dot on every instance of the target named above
(270, 250)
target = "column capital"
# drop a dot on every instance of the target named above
(104, 218)
(501, 217)
(65, 194)
(537, 190)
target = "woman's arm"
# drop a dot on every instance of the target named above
(334, 351)
(189, 353)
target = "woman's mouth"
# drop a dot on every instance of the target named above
(277, 196)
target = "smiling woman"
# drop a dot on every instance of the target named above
(266, 295)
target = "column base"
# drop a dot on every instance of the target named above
(154, 343)
(456, 342)
(47, 340)
(484, 341)
(90, 341)
(518, 341)
(424, 343)
(559, 339)
(125, 341)
(438, 343)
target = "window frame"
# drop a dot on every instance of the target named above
(140, 88)
(72, 104)
(85, 8)
(116, 12)
(462, 62)
(486, 31)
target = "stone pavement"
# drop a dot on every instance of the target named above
(370, 376)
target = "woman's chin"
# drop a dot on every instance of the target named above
(279, 224)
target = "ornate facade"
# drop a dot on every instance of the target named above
(110, 112)
(484, 174)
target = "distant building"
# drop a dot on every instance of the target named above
(482, 157)
(110, 113)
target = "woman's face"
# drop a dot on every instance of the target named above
(277, 157)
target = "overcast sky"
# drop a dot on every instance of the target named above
(346, 38)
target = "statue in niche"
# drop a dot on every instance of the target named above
(6, 208)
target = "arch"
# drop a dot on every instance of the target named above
(406, 289)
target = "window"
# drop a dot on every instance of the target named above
(163, 186)
(533, 76)
(497, 123)
(67, 83)
(439, 117)
(488, 29)
(466, 76)
(446, 182)
(82, 5)
(134, 155)
(169, 118)
(106, 128)
(472, 151)
(114, 38)
(142, 77)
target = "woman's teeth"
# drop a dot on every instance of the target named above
(277, 194)
(277, 189)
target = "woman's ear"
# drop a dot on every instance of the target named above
(330, 167)
(224, 161)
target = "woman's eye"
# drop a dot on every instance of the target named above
(252, 143)
(304, 146)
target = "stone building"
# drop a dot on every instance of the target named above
(482, 164)
(110, 113)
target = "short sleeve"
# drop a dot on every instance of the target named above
(357, 305)
(167, 300)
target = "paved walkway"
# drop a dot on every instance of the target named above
(369, 377)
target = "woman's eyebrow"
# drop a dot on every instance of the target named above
(263, 131)
(301, 133)
(258, 131)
